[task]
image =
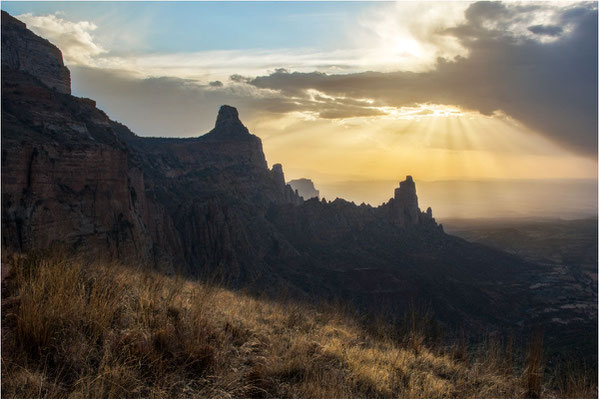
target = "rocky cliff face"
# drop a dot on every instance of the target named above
(71, 175)
(66, 175)
(24, 51)
(210, 205)
(217, 189)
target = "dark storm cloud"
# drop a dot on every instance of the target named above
(239, 79)
(548, 30)
(551, 87)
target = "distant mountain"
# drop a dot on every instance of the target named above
(305, 188)
(210, 206)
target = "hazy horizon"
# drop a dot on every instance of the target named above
(524, 198)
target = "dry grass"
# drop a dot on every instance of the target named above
(110, 331)
(533, 372)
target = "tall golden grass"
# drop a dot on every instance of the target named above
(110, 331)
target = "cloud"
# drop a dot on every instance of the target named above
(81, 47)
(73, 38)
(549, 30)
(169, 106)
(404, 37)
(409, 36)
(549, 86)
(164, 106)
(514, 20)
(534, 62)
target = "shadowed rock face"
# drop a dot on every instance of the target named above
(405, 194)
(66, 176)
(211, 205)
(24, 51)
(404, 205)
(277, 174)
(228, 125)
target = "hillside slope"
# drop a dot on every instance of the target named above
(104, 330)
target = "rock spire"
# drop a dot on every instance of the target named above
(228, 125)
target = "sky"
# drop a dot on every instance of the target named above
(349, 92)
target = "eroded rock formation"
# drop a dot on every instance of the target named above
(22, 50)
(403, 207)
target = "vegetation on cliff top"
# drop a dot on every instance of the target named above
(76, 330)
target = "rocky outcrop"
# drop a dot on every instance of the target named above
(278, 175)
(22, 50)
(290, 195)
(404, 205)
(212, 186)
(228, 125)
(304, 187)
(66, 177)
(403, 209)
(406, 197)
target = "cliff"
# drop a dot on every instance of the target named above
(71, 175)
(22, 50)
(66, 175)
